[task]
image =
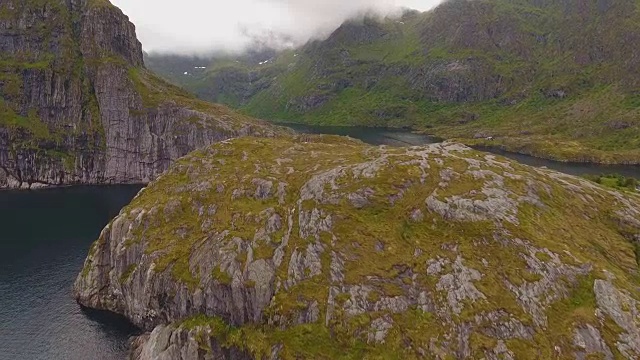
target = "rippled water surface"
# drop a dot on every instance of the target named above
(44, 239)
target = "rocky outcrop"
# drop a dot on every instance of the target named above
(322, 247)
(78, 107)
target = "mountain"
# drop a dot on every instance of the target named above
(77, 105)
(321, 247)
(556, 79)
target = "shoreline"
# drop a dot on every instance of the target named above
(630, 169)
(483, 145)
(68, 186)
(479, 144)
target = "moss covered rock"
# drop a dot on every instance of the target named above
(326, 248)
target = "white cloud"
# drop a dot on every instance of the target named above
(199, 26)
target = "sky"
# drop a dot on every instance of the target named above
(205, 26)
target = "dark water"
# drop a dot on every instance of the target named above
(397, 137)
(44, 239)
(373, 136)
(572, 168)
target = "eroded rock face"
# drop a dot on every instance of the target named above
(78, 107)
(180, 343)
(324, 247)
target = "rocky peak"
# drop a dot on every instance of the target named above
(322, 247)
(107, 32)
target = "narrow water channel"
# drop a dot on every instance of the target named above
(399, 137)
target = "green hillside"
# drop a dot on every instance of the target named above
(557, 79)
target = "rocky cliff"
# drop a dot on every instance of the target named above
(549, 78)
(326, 248)
(77, 105)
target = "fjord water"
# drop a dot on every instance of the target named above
(45, 238)
(571, 168)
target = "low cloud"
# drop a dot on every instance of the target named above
(206, 26)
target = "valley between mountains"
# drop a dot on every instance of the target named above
(252, 241)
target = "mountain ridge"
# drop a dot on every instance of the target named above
(524, 74)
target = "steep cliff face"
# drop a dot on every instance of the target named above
(550, 78)
(323, 247)
(77, 105)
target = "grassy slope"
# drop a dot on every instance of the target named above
(502, 64)
(155, 92)
(354, 105)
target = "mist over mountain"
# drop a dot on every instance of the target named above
(199, 27)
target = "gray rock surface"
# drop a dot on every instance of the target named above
(179, 343)
(590, 341)
(625, 312)
(78, 107)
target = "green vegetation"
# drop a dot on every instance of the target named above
(30, 123)
(153, 90)
(615, 181)
(302, 341)
(99, 3)
(221, 276)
